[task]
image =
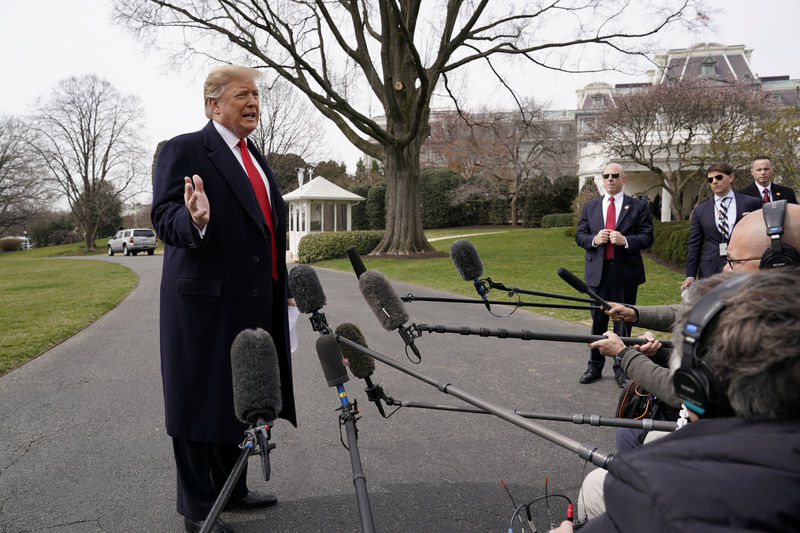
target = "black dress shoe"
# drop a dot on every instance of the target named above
(251, 500)
(590, 376)
(193, 526)
(621, 379)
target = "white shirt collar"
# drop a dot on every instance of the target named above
(617, 197)
(230, 138)
(718, 199)
(761, 189)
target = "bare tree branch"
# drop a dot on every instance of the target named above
(346, 55)
(87, 136)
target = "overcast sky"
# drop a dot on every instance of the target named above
(45, 41)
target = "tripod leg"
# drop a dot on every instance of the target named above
(359, 479)
(230, 483)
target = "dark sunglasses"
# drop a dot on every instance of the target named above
(614, 175)
(718, 177)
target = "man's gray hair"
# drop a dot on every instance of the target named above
(753, 346)
(220, 77)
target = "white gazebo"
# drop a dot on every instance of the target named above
(318, 206)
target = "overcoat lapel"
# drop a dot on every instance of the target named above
(233, 173)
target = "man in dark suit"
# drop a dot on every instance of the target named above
(763, 188)
(613, 230)
(712, 222)
(224, 271)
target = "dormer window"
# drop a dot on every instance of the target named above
(707, 66)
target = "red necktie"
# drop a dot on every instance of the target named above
(766, 195)
(611, 223)
(263, 200)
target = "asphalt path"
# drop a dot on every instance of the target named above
(83, 446)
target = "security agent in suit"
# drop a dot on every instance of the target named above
(708, 244)
(613, 261)
(224, 271)
(762, 172)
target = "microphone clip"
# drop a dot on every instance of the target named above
(409, 333)
(260, 435)
(483, 286)
(319, 323)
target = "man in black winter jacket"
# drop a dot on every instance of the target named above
(738, 470)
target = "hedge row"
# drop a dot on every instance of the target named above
(330, 245)
(557, 220)
(10, 244)
(671, 240)
(448, 200)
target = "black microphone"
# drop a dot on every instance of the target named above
(330, 358)
(355, 260)
(386, 305)
(469, 266)
(361, 366)
(256, 377)
(579, 285)
(308, 295)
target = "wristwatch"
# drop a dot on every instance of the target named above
(618, 357)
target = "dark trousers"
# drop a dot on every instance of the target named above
(611, 293)
(202, 469)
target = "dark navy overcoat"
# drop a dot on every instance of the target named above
(213, 288)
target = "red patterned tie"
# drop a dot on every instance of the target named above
(263, 200)
(611, 223)
(766, 195)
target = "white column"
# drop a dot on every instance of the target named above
(349, 217)
(335, 216)
(322, 216)
(666, 203)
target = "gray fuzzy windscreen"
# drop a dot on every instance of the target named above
(306, 289)
(466, 259)
(256, 376)
(382, 299)
(361, 365)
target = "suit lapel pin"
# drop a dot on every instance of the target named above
(627, 207)
(777, 193)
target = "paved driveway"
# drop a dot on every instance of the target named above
(83, 447)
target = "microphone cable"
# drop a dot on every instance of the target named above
(546, 497)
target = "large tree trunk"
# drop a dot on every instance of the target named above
(514, 198)
(404, 235)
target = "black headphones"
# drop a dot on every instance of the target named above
(695, 382)
(778, 254)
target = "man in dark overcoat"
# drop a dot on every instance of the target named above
(224, 271)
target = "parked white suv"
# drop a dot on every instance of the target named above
(133, 241)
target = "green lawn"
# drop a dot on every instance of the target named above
(524, 258)
(45, 300)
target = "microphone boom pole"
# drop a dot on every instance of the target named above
(594, 420)
(595, 455)
(517, 290)
(411, 298)
(527, 335)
